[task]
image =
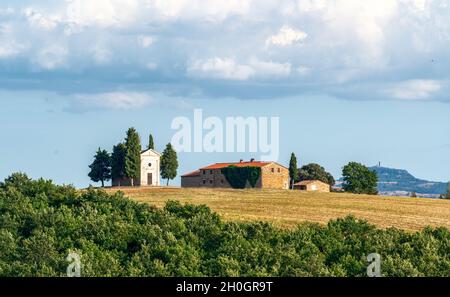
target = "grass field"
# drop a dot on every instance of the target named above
(288, 208)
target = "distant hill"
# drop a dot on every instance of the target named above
(398, 180)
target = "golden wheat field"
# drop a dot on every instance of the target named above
(288, 208)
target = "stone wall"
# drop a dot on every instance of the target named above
(314, 186)
(190, 181)
(125, 182)
(319, 187)
(275, 176)
(213, 179)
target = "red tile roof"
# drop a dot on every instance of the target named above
(224, 165)
(192, 174)
(307, 182)
(239, 164)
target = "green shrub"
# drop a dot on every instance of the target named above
(41, 223)
(238, 177)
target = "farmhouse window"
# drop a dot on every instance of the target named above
(273, 170)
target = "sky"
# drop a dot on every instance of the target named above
(350, 80)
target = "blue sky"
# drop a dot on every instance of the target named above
(350, 80)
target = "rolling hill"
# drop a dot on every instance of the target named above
(289, 208)
(397, 180)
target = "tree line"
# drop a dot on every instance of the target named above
(357, 178)
(124, 163)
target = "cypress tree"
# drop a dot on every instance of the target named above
(293, 170)
(101, 167)
(169, 163)
(118, 162)
(151, 144)
(448, 191)
(133, 155)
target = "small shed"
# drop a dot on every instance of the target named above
(312, 186)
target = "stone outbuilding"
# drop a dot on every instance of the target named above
(312, 186)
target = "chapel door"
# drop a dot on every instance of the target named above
(150, 179)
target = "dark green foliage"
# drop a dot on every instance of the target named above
(293, 170)
(254, 173)
(101, 167)
(118, 161)
(447, 196)
(169, 163)
(238, 177)
(359, 179)
(40, 224)
(151, 143)
(133, 155)
(315, 172)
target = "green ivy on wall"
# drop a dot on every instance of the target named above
(237, 177)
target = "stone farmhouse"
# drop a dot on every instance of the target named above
(150, 171)
(273, 176)
(312, 186)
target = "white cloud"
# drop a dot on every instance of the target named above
(102, 55)
(228, 69)
(36, 19)
(349, 42)
(123, 13)
(415, 89)
(9, 49)
(113, 100)
(51, 57)
(303, 70)
(287, 36)
(417, 5)
(9, 46)
(103, 13)
(270, 68)
(145, 41)
(311, 5)
(220, 68)
(356, 31)
(217, 10)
